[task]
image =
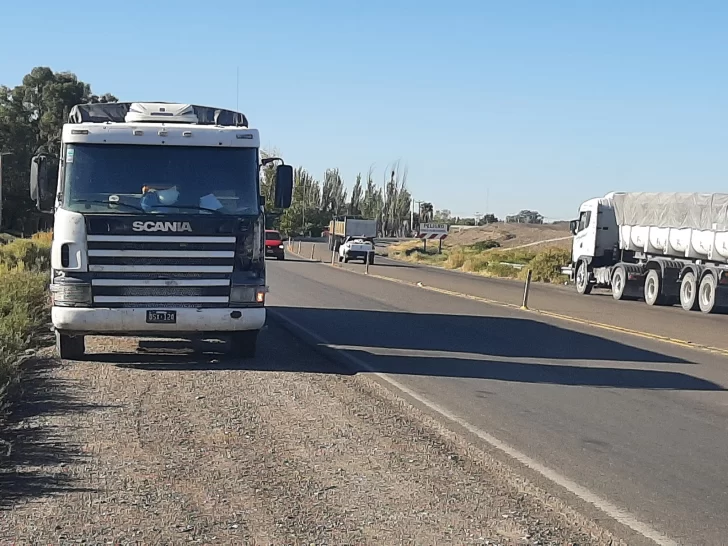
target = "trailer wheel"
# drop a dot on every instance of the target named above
(653, 288)
(689, 292)
(583, 286)
(619, 283)
(706, 294)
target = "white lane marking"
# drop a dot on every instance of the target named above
(615, 512)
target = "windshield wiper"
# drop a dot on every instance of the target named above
(109, 203)
(191, 207)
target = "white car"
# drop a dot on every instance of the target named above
(357, 247)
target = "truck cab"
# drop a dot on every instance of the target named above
(158, 224)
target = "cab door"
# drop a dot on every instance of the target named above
(585, 238)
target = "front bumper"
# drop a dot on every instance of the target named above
(273, 251)
(133, 321)
(353, 254)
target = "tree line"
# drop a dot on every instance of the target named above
(31, 118)
(32, 115)
(316, 202)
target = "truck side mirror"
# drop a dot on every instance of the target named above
(43, 181)
(572, 226)
(284, 186)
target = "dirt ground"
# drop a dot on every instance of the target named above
(148, 445)
(511, 235)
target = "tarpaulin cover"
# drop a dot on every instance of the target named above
(703, 211)
(115, 111)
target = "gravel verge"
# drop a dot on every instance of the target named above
(157, 445)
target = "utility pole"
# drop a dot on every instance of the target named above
(412, 215)
(413, 212)
(1, 184)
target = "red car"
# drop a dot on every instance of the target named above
(274, 244)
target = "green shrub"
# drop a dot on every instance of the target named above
(475, 264)
(24, 301)
(455, 259)
(546, 265)
(497, 269)
(482, 246)
(31, 254)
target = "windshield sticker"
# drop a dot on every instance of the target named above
(69, 155)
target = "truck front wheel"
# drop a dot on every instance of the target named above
(583, 286)
(706, 294)
(619, 283)
(244, 344)
(70, 347)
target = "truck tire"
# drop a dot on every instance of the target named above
(619, 283)
(244, 344)
(583, 286)
(653, 288)
(70, 347)
(706, 294)
(689, 292)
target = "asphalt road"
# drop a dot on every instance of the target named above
(599, 306)
(637, 422)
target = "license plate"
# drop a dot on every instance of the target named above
(161, 317)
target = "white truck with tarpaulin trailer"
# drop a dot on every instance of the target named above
(662, 247)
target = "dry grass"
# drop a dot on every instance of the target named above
(24, 265)
(486, 258)
(512, 235)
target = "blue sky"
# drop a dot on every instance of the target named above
(491, 105)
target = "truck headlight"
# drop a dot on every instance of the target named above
(251, 295)
(70, 292)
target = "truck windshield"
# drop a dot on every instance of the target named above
(127, 179)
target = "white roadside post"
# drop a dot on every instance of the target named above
(526, 288)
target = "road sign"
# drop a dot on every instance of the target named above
(433, 231)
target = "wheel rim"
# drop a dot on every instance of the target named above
(618, 283)
(706, 294)
(688, 291)
(581, 277)
(651, 288)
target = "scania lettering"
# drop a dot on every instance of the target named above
(162, 226)
(159, 224)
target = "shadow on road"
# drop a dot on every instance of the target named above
(432, 345)
(31, 452)
(466, 346)
(289, 259)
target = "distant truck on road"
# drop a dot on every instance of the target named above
(663, 247)
(342, 228)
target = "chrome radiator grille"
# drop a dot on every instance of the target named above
(160, 271)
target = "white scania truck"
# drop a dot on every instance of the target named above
(663, 247)
(159, 224)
